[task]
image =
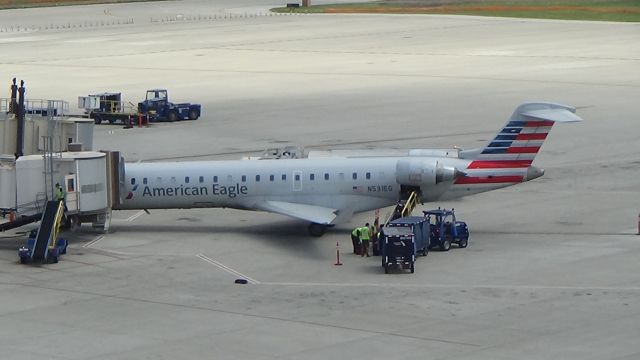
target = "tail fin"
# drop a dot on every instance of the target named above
(518, 143)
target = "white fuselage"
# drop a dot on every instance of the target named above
(353, 184)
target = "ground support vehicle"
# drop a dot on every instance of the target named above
(420, 229)
(398, 248)
(444, 229)
(109, 107)
(43, 243)
(53, 255)
(156, 107)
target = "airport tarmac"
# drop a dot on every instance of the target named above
(552, 271)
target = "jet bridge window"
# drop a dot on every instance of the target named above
(326, 176)
(257, 178)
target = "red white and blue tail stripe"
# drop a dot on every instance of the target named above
(508, 156)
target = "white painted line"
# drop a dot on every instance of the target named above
(135, 216)
(227, 269)
(463, 286)
(93, 242)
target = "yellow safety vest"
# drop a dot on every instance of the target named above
(364, 233)
(59, 194)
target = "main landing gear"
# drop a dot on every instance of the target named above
(317, 230)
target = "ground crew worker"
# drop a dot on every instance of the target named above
(59, 192)
(374, 240)
(355, 239)
(364, 239)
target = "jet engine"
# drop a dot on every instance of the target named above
(423, 172)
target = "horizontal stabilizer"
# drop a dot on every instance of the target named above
(561, 113)
(313, 213)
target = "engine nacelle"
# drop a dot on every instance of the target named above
(421, 172)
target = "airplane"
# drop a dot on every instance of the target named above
(327, 187)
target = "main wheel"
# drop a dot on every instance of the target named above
(193, 114)
(317, 230)
(173, 116)
(463, 243)
(446, 245)
(97, 119)
(74, 223)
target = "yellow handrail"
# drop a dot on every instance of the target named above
(412, 201)
(56, 225)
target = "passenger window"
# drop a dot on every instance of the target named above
(186, 179)
(173, 180)
(312, 177)
(355, 176)
(230, 178)
(201, 179)
(144, 181)
(368, 175)
(159, 180)
(271, 177)
(244, 178)
(326, 176)
(257, 178)
(133, 181)
(284, 177)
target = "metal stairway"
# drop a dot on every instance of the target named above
(403, 208)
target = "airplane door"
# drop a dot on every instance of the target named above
(297, 180)
(71, 193)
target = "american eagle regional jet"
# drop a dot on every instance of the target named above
(327, 188)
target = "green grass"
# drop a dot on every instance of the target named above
(617, 10)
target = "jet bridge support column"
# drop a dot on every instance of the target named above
(115, 179)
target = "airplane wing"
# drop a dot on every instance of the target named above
(313, 213)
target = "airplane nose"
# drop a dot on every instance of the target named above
(533, 173)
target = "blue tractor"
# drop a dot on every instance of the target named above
(445, 230)
(158, 108)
